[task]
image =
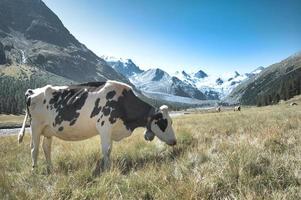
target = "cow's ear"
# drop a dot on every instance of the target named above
(149, 135)
(164, 108)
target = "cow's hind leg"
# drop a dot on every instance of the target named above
(106, 146)
(35, 143)
(47, 151)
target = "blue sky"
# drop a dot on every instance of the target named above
(215, 36)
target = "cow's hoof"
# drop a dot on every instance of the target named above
(33, 170)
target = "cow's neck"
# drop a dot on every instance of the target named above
(143, 120)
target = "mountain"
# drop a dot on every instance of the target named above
(181, 83)
(200, 74)
(32, 34)
(215, 86)
(37, 49)
(125, 67)
(158, 81)
(279, 81)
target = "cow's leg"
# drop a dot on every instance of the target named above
(35, 142)
(106, 143)
(47, 151)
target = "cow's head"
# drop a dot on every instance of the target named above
(160, 125)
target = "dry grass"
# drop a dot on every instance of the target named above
(253, 154)
(11, 120)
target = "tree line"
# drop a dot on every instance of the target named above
(12, 93)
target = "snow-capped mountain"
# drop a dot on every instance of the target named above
(216, 86)
(197, 85)
(125, 67)
(159, 81)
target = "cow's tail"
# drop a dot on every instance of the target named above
(22, 131)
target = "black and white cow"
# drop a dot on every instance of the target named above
(109, 109)
(237, 108)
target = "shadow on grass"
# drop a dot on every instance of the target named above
(126, 163)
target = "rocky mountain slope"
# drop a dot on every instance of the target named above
(215, 86)
(158, 81)
(278, 81)
(36, 49)
(197, 85)
(125, 67)
(30, 33)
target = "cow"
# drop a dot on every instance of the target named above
(237, 108)
(218, 109)
(109, 109)
(293, 104)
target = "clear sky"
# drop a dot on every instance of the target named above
(215, 36)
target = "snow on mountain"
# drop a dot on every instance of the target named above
(125, 67)
(159, 81)
(216, 86)
(198, 85)
(255, 72)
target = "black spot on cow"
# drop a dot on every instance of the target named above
(102, 123)
(28, 101)
(101, 116)
(72, 122)
(106, 110)
(96, 108)
(92, 84)
(67, 103)
(162, 123)
(30, 92)
(157, 116)
(44, 101)
(53, 124)
(61, 128)
(129, 108)
(47, 107)
(98, 120)
(110, 95)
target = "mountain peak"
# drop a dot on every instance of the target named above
(236, 74)
(185, 74)
(200, 74)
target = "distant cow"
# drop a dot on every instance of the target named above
(109, 109)
(218, 109)
(237, 108)
(293, 104)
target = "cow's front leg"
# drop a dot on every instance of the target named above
(47, 151)
(35, 143)
(106, 145)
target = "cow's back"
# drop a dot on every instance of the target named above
(73, 112)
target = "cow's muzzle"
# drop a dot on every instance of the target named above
(172, 143)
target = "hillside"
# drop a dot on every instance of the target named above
(32, 34)
(16, 79)
(253, 154)
(280, 81)
(37, 49)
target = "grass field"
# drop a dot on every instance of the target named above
(252, 154)
(7, 121)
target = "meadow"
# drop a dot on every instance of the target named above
(252, 154)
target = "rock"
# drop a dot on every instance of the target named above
(2, 55)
